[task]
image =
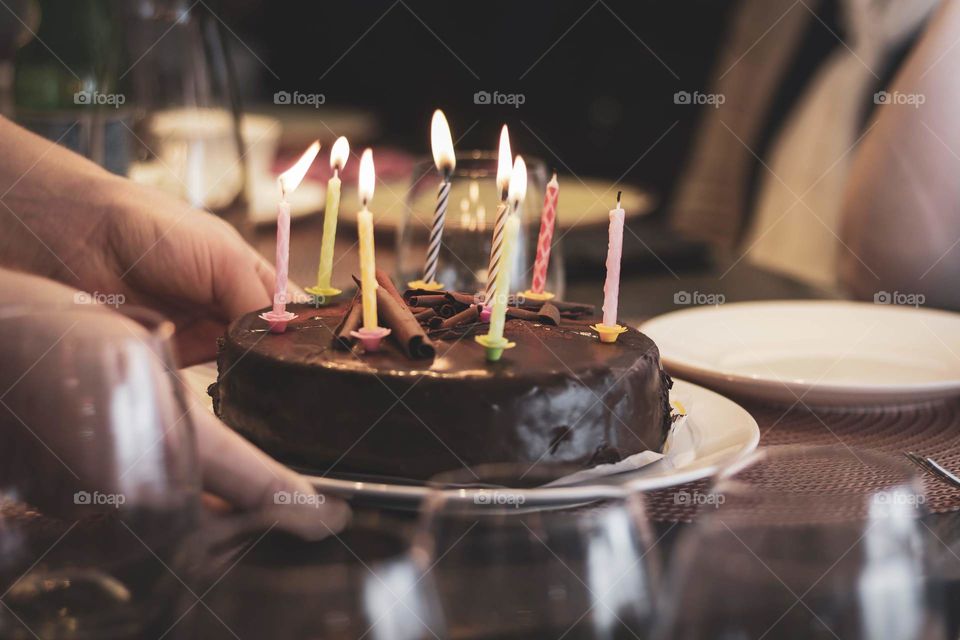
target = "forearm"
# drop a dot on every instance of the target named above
(901, 218)
(52, 204)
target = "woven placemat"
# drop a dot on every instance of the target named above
(930, 429)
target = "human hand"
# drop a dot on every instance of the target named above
(48, 455)
(71, 221)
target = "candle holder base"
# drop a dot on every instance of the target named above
(278, 320)
(422, 284)
(494, 346)
(608, 333)
(538, 297)
(323, 296)
(370, 338)
(485, 312)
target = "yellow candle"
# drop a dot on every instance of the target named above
(338, 159)
(368, 263)
(498, 314)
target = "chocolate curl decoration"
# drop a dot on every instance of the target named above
(549, 314)
(424, 315)
(447, 310)
(384, 281)
(462, 299)
(406, 329)
(425, 300)
(565, 309)
(467, 316)
(352, 319)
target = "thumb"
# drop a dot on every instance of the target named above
(244, 476)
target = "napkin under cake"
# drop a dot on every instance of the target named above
(429, 401)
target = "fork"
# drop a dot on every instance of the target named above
(932, 467)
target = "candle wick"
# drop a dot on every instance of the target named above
(619, 193)
(447, 174)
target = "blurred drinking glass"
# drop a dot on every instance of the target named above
(508, 570)
(99, 484)
(468, 229)
(189, 133)
(360, 583)
(806, 543)
(69, 81)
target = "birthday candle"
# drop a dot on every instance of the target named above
(611, 288)
(517, 192)
(545, 239)
(499, 313)
(368, 268)
(338, 160)
(504, 167)
(289, 180)
(445, 161)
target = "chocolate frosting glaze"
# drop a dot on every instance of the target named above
(560, 396)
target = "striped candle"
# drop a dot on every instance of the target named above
(504, 169)
(445, 160)
(545, 239)
(496, 252)
(436, 231)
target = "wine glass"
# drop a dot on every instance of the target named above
(99, 482)
(468, 228)
(806, 542)
(192, 139)
(361, 583)
(508, 570)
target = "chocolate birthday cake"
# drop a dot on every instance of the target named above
(428, 401)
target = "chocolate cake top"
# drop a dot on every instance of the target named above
(568, 347)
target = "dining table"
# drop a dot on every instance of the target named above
(223, 595)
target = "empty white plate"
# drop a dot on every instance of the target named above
(814, 352)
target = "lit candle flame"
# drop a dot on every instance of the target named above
(442, 143)
(504, 166)
(367, 178)
(292, 177)
(339, 154)
(518, 182)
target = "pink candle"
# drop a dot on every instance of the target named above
(545, 240)
(611, 288)
(283, 256)
(278, 317)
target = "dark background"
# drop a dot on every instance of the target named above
(597, 100)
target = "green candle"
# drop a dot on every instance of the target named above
(498, 314)
(338, 158)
